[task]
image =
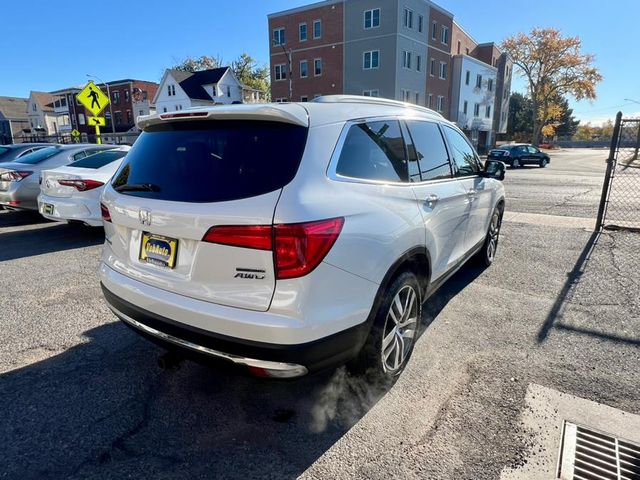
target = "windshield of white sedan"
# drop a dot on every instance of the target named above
(211, 161)
(39, 155)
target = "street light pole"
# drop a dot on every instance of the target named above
(113, 125)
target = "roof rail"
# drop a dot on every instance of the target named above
(373, 101)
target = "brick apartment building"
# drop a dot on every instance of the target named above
(409, 50)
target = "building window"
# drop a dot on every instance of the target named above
(141, 112)
(278, 36)
(406, 59)
(432, 67)
(488, 111)
(467, 75)
(81, 119)
(430, 100)
(417, 98)
(371, 59)
(478, 81)
(371, 93)
(490, 84)
(304, 69)
(440, 103)
(466, 50)
(280, 72)
(464, 107)
(419, 63)
(445, 35)
(129, 116)
(434, 28)
(459, 46)
(372, 18)
(317, 29)
(476, 110)
(408, 18)
(443, 70)
(35, 108)
(406, 95)
(420, 23)
(116, 97)
(164, 109)
(118, 115)
(126, 96)
(303, 32)
(304, 98)
(228, 91)
(317, 67)
(281, 100)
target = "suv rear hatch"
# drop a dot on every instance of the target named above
(185, 176)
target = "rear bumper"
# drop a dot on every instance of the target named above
(74, 209)
(18, 196)
(274, 360)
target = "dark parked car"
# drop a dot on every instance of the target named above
(10, 153)
(519, 154)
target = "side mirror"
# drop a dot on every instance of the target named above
(494, 169)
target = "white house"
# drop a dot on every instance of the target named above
(474, 86)
(42, 115)
(179, 90)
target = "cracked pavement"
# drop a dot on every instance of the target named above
(82, 396)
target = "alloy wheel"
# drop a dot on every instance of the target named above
(400, 329)
(494, 234)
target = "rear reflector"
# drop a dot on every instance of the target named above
(106, 215)
(81, 185)
(298, 248)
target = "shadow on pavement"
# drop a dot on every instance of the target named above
(49, 238)
(18, 218)
(597, 279)
(103, 409)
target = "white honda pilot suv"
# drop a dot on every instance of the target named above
(289, 238)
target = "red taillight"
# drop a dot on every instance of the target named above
(257, 237)
(81, 185)
(301, 247)
(298, 248)
(183, 115)
(14, 175)
(106, 215)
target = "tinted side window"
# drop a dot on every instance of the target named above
(79, 155)
(99, 160)
(533, 150)
(414, 166)
(462, 153)
(374, 151)
(430, 149)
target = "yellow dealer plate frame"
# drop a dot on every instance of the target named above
(158, 250)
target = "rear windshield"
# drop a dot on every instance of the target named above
(99, 160)
(39, 155)
(212, 161)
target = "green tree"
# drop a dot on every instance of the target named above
(568, 125)
(519, 125)
(249, 73)
(203, 62)
(552, 65)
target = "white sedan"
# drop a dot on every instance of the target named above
(72, 193)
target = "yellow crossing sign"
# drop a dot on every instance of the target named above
(75, 133)
(93, 98)
(97, 121)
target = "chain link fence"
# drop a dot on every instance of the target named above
(620, 202)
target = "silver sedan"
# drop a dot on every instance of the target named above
(20, 180)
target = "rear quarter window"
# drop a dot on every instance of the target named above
(213, 160)
(99, 160)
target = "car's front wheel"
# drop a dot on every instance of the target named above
(490, 246)
(393, 333)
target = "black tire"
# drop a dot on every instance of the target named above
(543, 163)
(515, 163)
(370, 360)
(487, 253)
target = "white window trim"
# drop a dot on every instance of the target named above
(364, 18)
(299, 36)
(275, 69)
(371, 52)
(314, 28)
(406, 59)
(440, 103)
(407, 18)
(430, 102)
(432, 71)
(300, 66)
(487, 111)
(465, 107)
(304, 98)
(370, 93)
(443, 77)
(476, 110)
(314, 67)
(444, 33)
(418, 63)
(274, 37)
(434, 27)
(420, 26)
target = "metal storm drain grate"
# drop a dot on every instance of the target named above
(589, 455)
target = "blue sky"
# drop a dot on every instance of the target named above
(51, 46)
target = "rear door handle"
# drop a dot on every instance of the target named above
(431, 200)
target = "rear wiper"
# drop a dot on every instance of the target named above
(137, 187)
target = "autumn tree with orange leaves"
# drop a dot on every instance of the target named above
(554, 66)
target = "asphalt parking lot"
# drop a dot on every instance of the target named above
(83, 397)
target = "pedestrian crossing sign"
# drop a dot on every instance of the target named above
(75, 133)
(93, 98)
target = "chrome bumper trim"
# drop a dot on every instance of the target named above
(275, 369)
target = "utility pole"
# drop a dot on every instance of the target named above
(289, 68)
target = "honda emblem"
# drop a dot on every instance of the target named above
(145, 217)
